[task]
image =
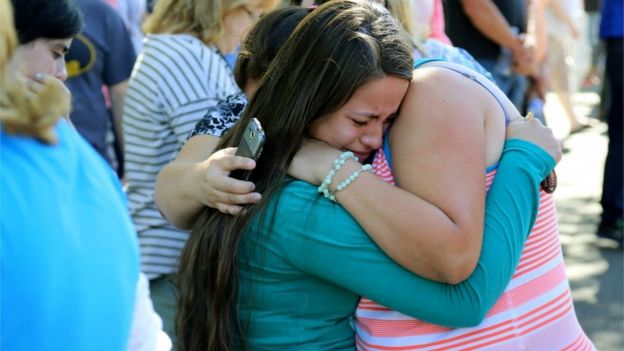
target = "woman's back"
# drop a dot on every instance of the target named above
(534, 312)
(283, 305)
(68, 247)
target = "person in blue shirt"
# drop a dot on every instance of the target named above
(99, 64)
(69, 257)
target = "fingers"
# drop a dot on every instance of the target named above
(235, 186)
(221, 189)
(231, 151)
(222, 192)
(39, 81)
(229, 209)
(234, 203)
(35, 85)
(533, 131)
(524, 119)
(226, 160)
(231, 163)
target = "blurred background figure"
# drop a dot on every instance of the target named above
(538, 79)
(99, 64)
(180, 73)
(563, 20)
(428, 16)
(612, 32)
(422, 15)
(596, 67)
(132, 12)
(150, 5)
(493, 32)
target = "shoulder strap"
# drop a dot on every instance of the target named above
(464, 71)
(421, 61)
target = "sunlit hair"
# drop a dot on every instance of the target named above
(202, 18)
(8, 37)
(336, 49)
(22, 112)
(401, 10)
(262, 42)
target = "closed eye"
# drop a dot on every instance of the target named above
(391, 119)
(359, 123)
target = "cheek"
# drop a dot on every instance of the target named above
(40, 62)
(344, 137)
(337, 132)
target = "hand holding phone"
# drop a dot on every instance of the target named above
(250, 146)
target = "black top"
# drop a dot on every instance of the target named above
(592, 5)
(465, 35)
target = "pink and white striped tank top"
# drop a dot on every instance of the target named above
(534, 313)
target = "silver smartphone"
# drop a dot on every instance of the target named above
(250, 146)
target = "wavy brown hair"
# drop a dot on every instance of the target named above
(335, 49)
(202, 18)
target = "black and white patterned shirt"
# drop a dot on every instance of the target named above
(220, 118)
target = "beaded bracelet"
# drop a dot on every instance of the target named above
(338, 163)
(345, 183)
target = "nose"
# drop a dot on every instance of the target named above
(61, 72)
(373, 137)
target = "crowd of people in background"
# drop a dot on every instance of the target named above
(123, 227)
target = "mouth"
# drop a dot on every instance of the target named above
(362, 156)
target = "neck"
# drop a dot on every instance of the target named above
(227, 43)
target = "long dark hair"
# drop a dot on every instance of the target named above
(337, 48)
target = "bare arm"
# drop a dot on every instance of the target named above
(537, 28)
(486, 17)
(118, 95)
(197, 178)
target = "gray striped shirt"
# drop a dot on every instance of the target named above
(175, 80)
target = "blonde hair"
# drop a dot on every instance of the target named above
(203, 18)
(402, 12)
(8, 37)
(21, 111)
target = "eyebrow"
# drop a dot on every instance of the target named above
(63, 47)
(372, 115)
(364, 114)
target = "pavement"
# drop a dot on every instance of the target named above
(595, 266)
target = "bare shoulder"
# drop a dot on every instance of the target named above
(440, 93)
